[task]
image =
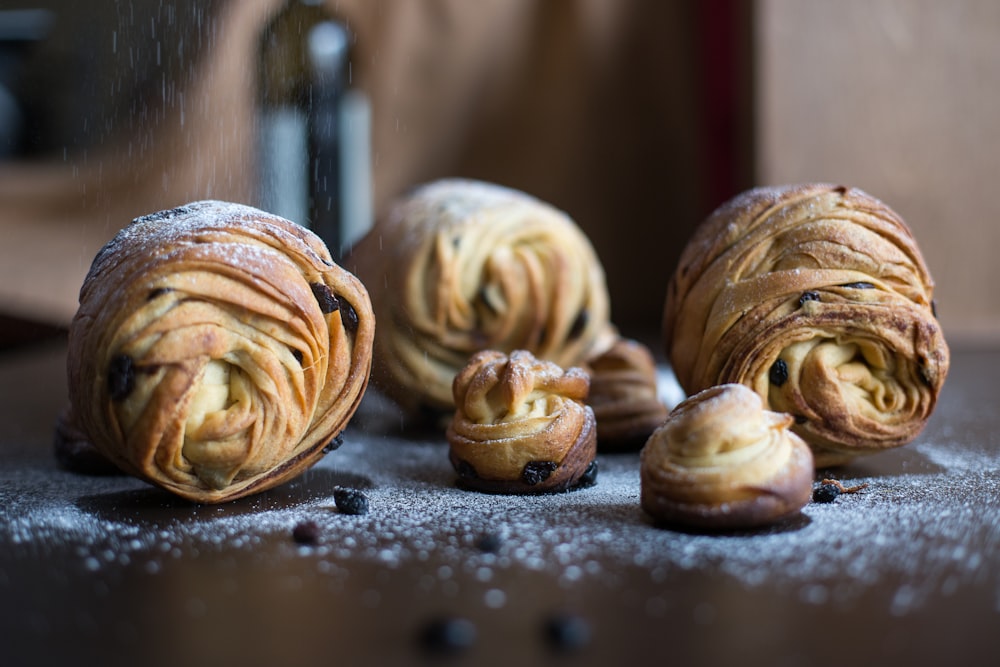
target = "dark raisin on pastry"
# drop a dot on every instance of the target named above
(520, 425)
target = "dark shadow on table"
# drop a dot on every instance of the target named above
(906, 460)
(792, 524)
(156, 506)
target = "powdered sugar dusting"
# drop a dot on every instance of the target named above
(906, 527)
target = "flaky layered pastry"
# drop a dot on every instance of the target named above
(460, 266)
(722, 461)
(217, 350)
(623, 395)
(521, 426)
(818, 298)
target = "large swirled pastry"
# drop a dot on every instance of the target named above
(818, 298)
(521, 425)
(460, 266)
(722, 461)
(217, 350)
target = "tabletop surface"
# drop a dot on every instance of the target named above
(106, 569)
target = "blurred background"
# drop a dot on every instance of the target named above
(636, 117)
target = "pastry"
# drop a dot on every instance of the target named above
(722, 461)
(817, 297)
(460, 266)
(217, 350)
(623, 395)
(521, 425)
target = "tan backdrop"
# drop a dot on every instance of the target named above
(902, 99)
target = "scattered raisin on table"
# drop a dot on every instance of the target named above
(306, 532)
(825, 493)
(350, 501)
(830, 489)
(489, 543)
(567, 632)
(448, 635)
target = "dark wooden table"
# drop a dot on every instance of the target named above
(106, 570)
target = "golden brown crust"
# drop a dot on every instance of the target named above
(623, 395)
(722, 461)
(217, 350)
(460, 266)
(817, 297)
(521, 425)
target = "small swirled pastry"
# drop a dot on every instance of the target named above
(460, 266)
(217, 350)
(818, 298)
(521, 425)
(623, 395)
(722, 461)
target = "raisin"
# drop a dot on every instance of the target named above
(536, 472)
(350, 501)
(298, 356)
(448, 635)
(567, 632)
(825, 493)
(860, 285)
(465, 470)
(334, 444)
(778, 374)
(808, 296)
(829, 489)
(326, 299)
(306, 532)
(589, 477)
(801, 419)
(489, 543)
(121, 377)
(349, 317)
